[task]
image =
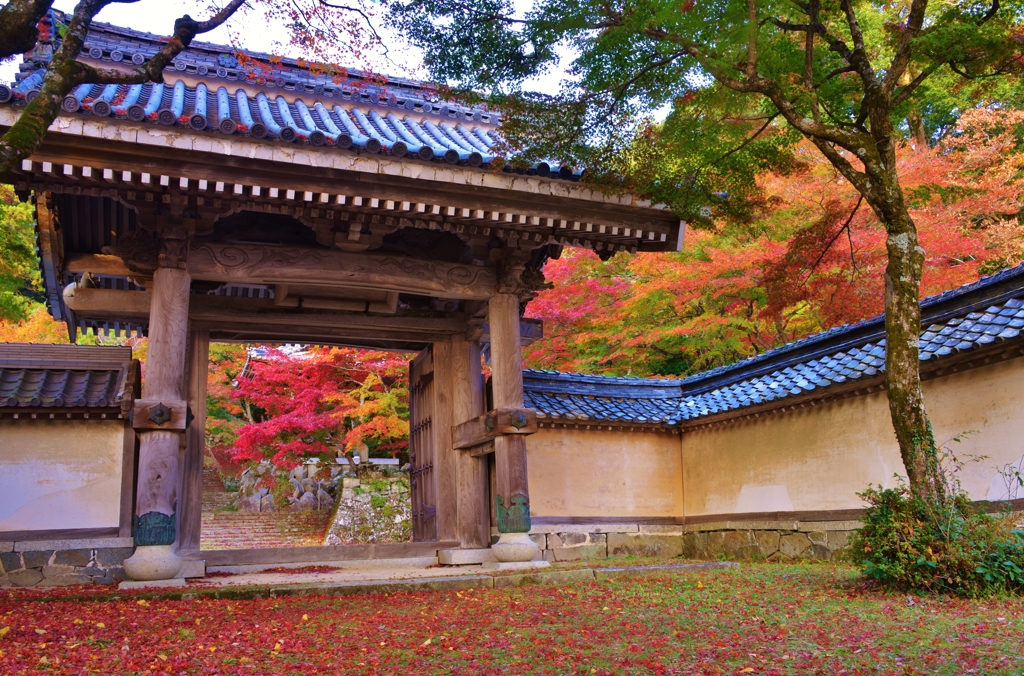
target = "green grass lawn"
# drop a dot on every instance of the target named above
(760, 619)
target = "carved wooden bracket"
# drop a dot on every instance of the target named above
(485, 428)
(144, 251)
(150, 414)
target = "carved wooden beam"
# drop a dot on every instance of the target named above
(486, 427)
(152, 414)
(264, 264)
(259, 264)
(232, 311)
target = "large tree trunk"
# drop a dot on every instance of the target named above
(902, 333)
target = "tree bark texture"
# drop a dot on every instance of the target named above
(18, 20)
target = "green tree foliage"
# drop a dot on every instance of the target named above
(19, 265)
(744, 81)
(801, 266)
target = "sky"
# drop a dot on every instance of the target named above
(157, 16)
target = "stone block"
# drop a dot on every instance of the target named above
(695, 545)
(661, 530)
(581, 552)
(548, 555)
(6, 546)
(794, 545)
(736, 539)
(36, 559)
(748, 553)
(559, 577)
(57, 571)
(73, 557)
(539, 539)
(705, 527)
(349, 482)
(716, 544)
(816, 536)
(661, 546)
(65, 580)
(561, 540)
(11, 561)
(838, 539)
(464, 557)
(26, 577)
(587, 528)
(133, 584)
(516, 565)
(819, 552)
(808, 526)
(767, 542)
(191, 568)
(763, 525)
(80, 543)
(113, 557)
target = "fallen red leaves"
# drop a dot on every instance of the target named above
(763, 619)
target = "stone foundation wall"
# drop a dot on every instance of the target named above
(48, 563)
(731, 540)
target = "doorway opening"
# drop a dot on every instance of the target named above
(306, 446)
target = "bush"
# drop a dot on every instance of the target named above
(960, 549)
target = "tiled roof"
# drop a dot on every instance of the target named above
(62, 376)
(976, 315)
(208, 90)
(576, 397)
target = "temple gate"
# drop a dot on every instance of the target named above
(222, 205)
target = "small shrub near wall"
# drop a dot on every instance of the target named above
(375, 508)
(963, 551)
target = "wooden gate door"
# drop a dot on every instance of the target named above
(421, 448)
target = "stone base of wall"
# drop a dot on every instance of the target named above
(730, 540)
(49, 563)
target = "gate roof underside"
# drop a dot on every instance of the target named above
(375, 221)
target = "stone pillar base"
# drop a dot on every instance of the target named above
(514, 547)
(154, 562)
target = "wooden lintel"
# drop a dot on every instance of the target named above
(153, 414)
(486, 427)
(261, 316)
(259, 264)
(481, 450)
(264, 264)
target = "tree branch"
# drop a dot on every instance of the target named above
(901, 58)
(18, 19)
(185, 30)
(907, 90)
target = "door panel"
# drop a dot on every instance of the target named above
(421, 448)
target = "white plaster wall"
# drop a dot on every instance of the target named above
(60, 474)
(602, 473)
(817, 459)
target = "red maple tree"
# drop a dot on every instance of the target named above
(321, 403)
(811, 259)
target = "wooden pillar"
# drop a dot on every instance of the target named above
(445, 459)
(472, 482)
(512, 498)
(190, 512)
(157, 488)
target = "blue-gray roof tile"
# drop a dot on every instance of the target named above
(983, 313)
